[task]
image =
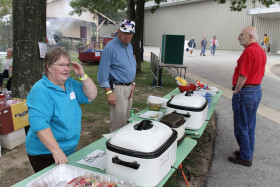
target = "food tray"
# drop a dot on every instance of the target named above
(62, 174)
(211, 89)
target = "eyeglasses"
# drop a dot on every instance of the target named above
(93, 158)
(242, 35)
(63, 65)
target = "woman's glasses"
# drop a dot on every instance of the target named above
(63, 65)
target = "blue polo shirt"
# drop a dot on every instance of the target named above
(118, 62)
(51, 106)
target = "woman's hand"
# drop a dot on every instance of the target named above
(59, 157)
(78, 69)
(47, 138)
(89, 87)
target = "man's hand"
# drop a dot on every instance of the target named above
(111, 99)
(132, 91)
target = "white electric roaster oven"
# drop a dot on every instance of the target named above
(193, 106)
(142, 152)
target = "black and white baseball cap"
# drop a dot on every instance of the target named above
(127, 26)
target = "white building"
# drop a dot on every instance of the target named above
(206, 17)
(73, 26)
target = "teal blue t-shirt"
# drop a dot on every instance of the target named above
(51, 106)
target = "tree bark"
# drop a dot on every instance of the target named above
(29, 28)
(139, 24)
(138, 17)
(130, 10)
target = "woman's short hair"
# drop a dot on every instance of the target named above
(54, 55)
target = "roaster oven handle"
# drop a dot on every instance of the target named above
(187, 115)
(132, 165)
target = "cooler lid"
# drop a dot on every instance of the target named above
(142, 136)
(187, 101)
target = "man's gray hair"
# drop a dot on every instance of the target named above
(254, 33)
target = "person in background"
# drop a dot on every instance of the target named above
(247, 93)
(8, 66)
(214, 44)
(9, 83)
(265, 42)
(203, 45)
(191, 45)
(116, 74)
(54, 111)
(268, 49)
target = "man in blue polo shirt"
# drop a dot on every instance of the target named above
(116, 74)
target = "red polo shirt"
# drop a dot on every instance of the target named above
(250, 64)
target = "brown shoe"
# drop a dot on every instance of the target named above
(237, 160)
(237, 152)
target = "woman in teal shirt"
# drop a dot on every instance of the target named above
(54, 110)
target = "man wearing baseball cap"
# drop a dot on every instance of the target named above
(116, 74)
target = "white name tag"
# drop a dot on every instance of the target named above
(72, 95)
(97, 53)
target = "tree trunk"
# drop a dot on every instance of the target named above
(137, 38)
(138, 16)
(29, 28)
(130, 10)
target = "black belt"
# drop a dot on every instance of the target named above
(124, 84)
(246, 86)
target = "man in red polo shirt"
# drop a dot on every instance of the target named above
(247, 94)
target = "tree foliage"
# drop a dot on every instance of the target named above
(107, 7)
(5, 7)
(239, 5)
(157, 5)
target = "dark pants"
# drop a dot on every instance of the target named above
(3, 75)
(244, 106)
(8, 86)
(40, 162)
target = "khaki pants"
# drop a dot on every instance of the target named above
(121, 112)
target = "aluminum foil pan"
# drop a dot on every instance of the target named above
(60, 175)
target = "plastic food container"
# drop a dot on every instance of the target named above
(187, 88)
(60, 175)
(155, 104)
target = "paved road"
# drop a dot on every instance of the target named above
(218, 70)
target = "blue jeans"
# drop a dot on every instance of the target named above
(213, 48)
(244, 106)
(203, 50)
